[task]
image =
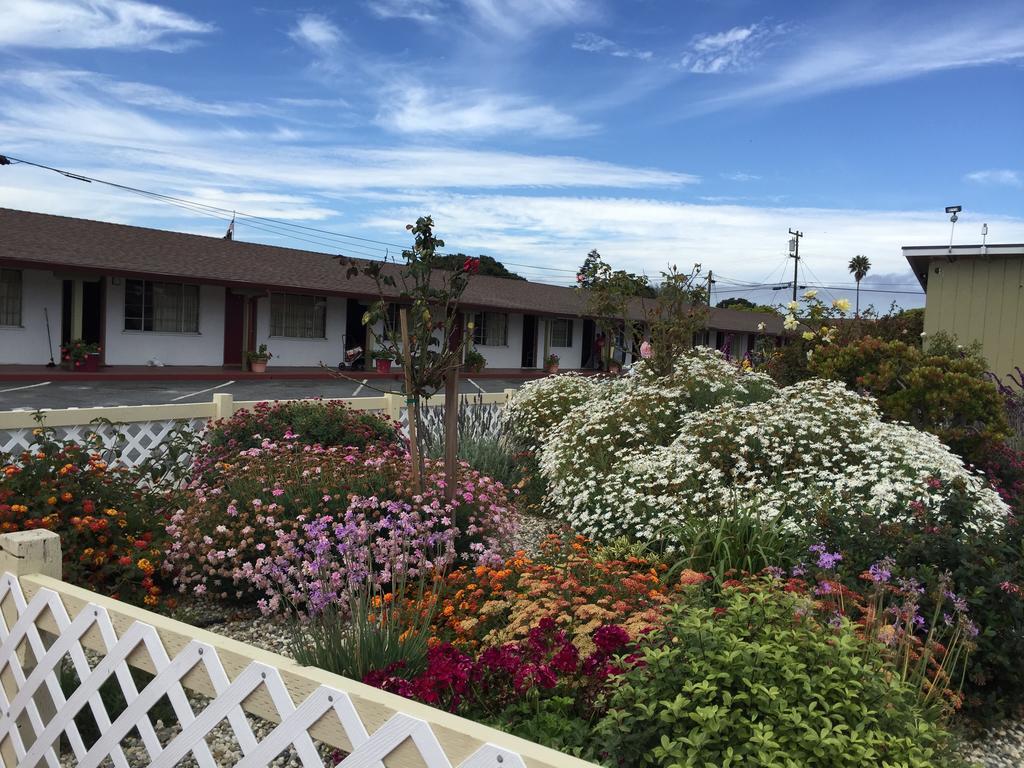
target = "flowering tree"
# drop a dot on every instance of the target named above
(429, 343)
(678, 312)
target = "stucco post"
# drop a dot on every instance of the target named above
(223, 405)
(23, 553)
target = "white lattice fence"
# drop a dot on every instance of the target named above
(138, 429)
(132, 442)
(46, 623)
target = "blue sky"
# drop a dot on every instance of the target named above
(658, 131)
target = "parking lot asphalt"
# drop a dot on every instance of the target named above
(86, 394)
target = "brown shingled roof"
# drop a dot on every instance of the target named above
(44, 241)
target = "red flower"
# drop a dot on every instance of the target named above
(471, 265)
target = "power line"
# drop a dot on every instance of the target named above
(267, 224)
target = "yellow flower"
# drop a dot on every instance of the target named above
(843, 305)
(808, 335)
(52, 500)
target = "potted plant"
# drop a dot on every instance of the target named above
(80, 355)
(551, 363)
(382, 360)
(258, 359)
(473, 361)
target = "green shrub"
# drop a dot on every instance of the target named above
(758, 681)
(985, 568)
(948, 395)
(327, 423)
(743, 540)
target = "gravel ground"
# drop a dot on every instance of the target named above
(1000, 747)
(532, 531)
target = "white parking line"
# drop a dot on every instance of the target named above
(201, 391)
(477, 386)
(359, 388)
(27, 386)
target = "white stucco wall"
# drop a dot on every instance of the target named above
(511, 354)
(568, 357)
(303, 352)
(138, 347)
(26, 345)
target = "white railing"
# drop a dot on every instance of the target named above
(140, 428)
(46, 624)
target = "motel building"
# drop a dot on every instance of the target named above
(146, 295)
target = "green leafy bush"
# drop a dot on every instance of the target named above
(985, 568)
(758, 681)
(948, 395)
(746, 540)
(327, 423)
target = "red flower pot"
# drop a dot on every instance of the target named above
(383, 366)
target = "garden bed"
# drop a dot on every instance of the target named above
(639, 570)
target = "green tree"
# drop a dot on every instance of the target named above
(859, 267)
(489, 266)
(429, 295)
(678, 312)
(609, 295)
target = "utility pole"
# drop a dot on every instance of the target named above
(794, 253)
(711, 285)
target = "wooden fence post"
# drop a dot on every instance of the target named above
(223, 405)
(23, 553)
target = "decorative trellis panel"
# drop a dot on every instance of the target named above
(129, 444)
(31, 731)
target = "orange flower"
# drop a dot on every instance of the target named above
(67, 496)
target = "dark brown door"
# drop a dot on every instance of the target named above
(234, 309)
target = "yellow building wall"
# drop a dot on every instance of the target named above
(982, 300)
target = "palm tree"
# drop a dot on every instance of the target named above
(859, 268)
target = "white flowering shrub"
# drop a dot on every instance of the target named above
(638, 460)
(640, 412)
(538, 406)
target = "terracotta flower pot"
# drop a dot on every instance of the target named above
(553, 368)
(383, 366)
(258, 366)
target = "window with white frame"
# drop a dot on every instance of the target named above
(10, 297)
(561, 332)
(298, 316)
(161, 307)
(490, 329)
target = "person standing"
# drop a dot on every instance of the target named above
(645, 349)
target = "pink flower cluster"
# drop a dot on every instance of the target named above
(297, 526)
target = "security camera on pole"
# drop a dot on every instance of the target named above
(953, 209)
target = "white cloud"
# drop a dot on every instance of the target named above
(96, 24)
(415, 109)
(518, 18)
(742, 242)
(1001, 177)
(741, 176)
(424, 11)
(593, 43)
(316, 32)
(733, 50)
(36, 108)
(908, 46)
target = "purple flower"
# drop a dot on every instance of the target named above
(826, 560)
(881, 572)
